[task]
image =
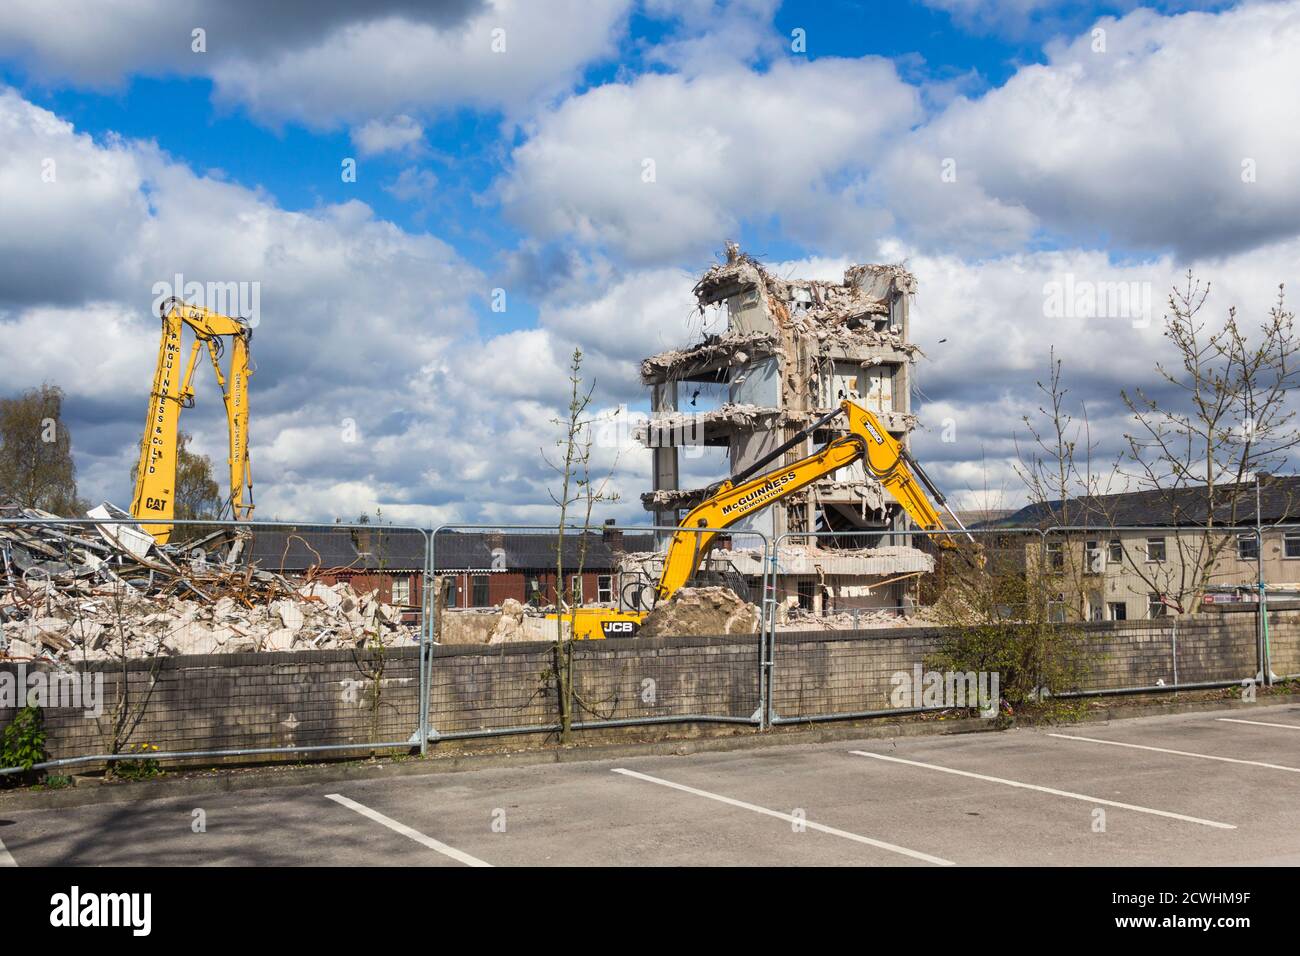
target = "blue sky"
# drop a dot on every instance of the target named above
(519, 170)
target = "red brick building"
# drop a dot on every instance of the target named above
(478, 568)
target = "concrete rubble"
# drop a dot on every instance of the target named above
(701, 611)
(68, 593)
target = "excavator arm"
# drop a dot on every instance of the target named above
(883, 456)
(154, 496)
(745, 494)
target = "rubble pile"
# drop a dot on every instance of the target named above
(74, 592)
(704, 611)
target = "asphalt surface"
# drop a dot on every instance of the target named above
(1230, 795)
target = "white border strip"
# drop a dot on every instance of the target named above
(820, 827)
(1178, 753)
(1051, 790)
(406, 831)
(1257, 723)
(6, 858)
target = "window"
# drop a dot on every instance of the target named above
(1155, 605)
(1116, 547)
(1247, 547)
(575, 588)
(1096, 561)
(479, 591)
(402, 591)
(1155, 549)
(448, 592)
(1117, 611)
(806, 595)
(1055, 555)
(534, 591)
(1291, 544)
(604, 588)
(1056, 608)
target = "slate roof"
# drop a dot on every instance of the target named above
(378, 548)
(1183, 507)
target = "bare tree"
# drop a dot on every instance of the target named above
(1228, 418)
(578, 493)
(1055, 466)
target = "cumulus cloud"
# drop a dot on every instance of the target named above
(1163, 133)
(666, 164)
(1002, 318)
(1159, 133)
(322, 63)
(351, 307)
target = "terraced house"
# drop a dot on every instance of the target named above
(1149, 554)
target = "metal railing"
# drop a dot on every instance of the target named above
(329, 639)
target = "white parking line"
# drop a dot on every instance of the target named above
(1058, 793)
(406, 831)
(6, 858)
(1179, 753)
(1257, 723)
(820, 827)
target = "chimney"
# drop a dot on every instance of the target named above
(612, 536)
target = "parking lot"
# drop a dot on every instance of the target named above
(1220, 787)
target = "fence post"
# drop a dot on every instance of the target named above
(425, 624)
(768, 667)
(1261, 612)
(1173, 647)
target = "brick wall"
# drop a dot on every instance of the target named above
(1283, 641)
(844, 672)
(232, 701)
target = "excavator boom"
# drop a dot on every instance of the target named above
(155, 492)
(730, 501)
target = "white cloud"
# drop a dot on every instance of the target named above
(725, 146)
(1143, 145)
(401, 134)
(385, 65)
(1176, 136)
(1000, 331)
(322, 63)
(352, 307)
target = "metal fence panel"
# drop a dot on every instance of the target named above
(230, 640)
(495, 668)
(845, 672)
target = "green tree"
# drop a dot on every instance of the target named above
(198, 496)
(36, 467)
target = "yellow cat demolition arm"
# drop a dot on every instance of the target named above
(155, 481)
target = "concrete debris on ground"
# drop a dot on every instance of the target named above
(701, 611)
(790, 617)
(511, 623)
(73, 593)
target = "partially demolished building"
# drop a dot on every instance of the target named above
(787, 352)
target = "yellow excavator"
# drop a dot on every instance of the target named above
(155, 480)
(740, 496)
